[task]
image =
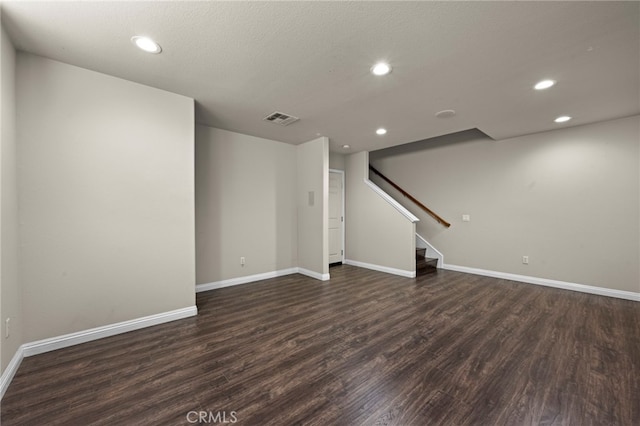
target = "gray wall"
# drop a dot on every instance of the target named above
(336, 161)
(252, 201)
(10, 300)
(106, 198)
(245, 205)
(376, 233)
(313, 218)
(568, 199)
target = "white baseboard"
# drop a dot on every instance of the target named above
(388, 270)
(313, 274)
(10, 371)
(244, 280)
(59, 342)
(601, 291)
(259, 277)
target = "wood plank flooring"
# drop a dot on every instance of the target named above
(365, 348)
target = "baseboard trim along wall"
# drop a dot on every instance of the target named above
(244, 280)
(10, 371)
(313, 274)
(259, 277)
(72, 339)
(59, 342)
(601, 291)
(388, 270)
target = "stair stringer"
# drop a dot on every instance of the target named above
(432, 252)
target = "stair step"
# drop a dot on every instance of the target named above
(425, 265)
(426, 261)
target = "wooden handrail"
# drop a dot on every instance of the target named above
(410, 197)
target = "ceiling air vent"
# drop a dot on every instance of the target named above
(281, 118)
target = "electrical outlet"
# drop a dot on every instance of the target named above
(242, 261)
(525, 260)
(466, 218)
(6, 328)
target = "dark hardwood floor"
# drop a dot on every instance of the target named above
(365, 348)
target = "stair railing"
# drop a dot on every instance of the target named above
(410, 197)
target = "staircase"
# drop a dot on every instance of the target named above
(425, 265)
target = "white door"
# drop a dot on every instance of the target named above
(336, 220)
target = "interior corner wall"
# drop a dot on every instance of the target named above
(106, 198)
(376, 233)
(313, 205)
(10, 295)
(336, 161)
(569, 199)
(245, 205)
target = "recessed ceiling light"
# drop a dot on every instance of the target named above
(146, 44)
(544, 84)
(381, 131)
(562, 119)
(445, 113)
(345, 146)
(381, 68)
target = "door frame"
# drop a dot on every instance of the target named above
(344, 219)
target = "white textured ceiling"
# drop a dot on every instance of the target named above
(243, 60)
